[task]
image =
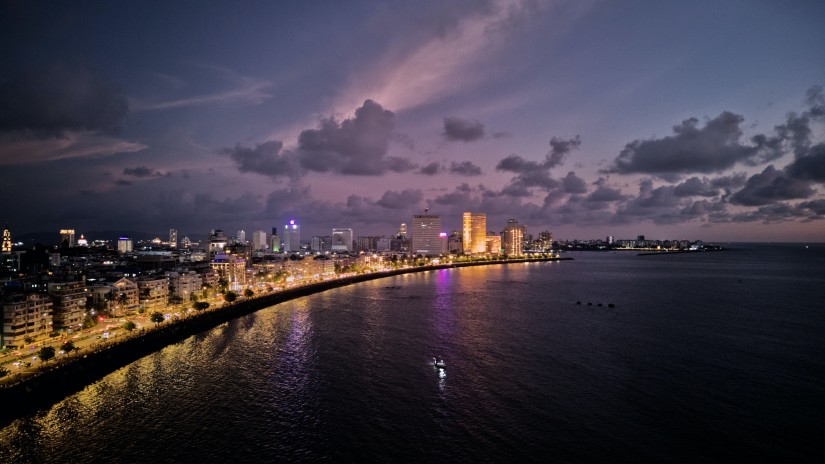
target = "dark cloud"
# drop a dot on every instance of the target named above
(140, 172)
(502, 135)
(769, 186)
(517, 164)
(463, 130)
(809, 166)
(604, 194)
(59, 100)
(711, 148)
(123, 182)
(560, 148)
(355, 146)
(266, 158)
(696, 187)
(815, 100)
(816, 207)
(465, 168)
(771, 214)
(430, 169)
(398, 164)
(408, 198)
(573, 183)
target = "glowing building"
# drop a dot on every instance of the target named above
(173, 238)
(513, 238)
(67, 237)
(292, 237)
(474, 233)
(259, 240)
(124, 244)
(6, 246)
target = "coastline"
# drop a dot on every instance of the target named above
(51, 386)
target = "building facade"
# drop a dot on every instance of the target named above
(26, 317)
(68, 304)
(513, 239)
(426, 231)
(342, 240)
(474, 233)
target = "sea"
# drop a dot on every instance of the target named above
(609, 357)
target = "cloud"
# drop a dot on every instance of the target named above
(465, 168)
(517, 164)
(266, 158)
(771, 214)
(696, 187)
(502, 135)
(809, 166)
(769, 186)
(245, 90)
(457, 129)
(409, 198)
(354, 146)
(61, 99)
(15, 149)
(573, 183)
(560, 148)
(141, 171)
(430, 169)
(711, 148)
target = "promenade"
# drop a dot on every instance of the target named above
(28, 388)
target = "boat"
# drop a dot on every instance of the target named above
(439, 363)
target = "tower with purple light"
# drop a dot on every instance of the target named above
(292, 237)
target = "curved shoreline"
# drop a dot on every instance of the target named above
(51, 386)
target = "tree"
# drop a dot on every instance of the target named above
(230, 296)
(130, 326)
(200, 305)
(157, 317)
(28, 340)
(3, 372)
(248, 293)
(193, 297)
(68, 347)
(46, 353)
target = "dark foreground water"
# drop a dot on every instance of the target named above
(705, 357)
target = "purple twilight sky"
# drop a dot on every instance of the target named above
(700, 120)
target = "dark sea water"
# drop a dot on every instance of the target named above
(705, 357)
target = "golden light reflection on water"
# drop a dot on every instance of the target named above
(145, 384)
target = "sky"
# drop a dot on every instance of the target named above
(674, 120)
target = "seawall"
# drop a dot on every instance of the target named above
(52, 385)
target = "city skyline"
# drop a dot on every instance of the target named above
(583, 118)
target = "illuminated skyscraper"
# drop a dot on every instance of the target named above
(513, 237)
(402, 231)
(6, 246)
(67, 237)
(292, 237)
(173, 238)
(474, 233)
(124, 245)
(426, 230)
(240, 236)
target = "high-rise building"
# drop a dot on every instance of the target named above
(67, 238)
(402, 231)
(494, 244)
(240, 236)
(513, 238)
(186, 242)
(6, 245)
(426, 230)
(474, 233)
(292, 237)
(217, 242)
(124, 245)
(173, 238)
(321, 243)
(342, 240)
(259, 240)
